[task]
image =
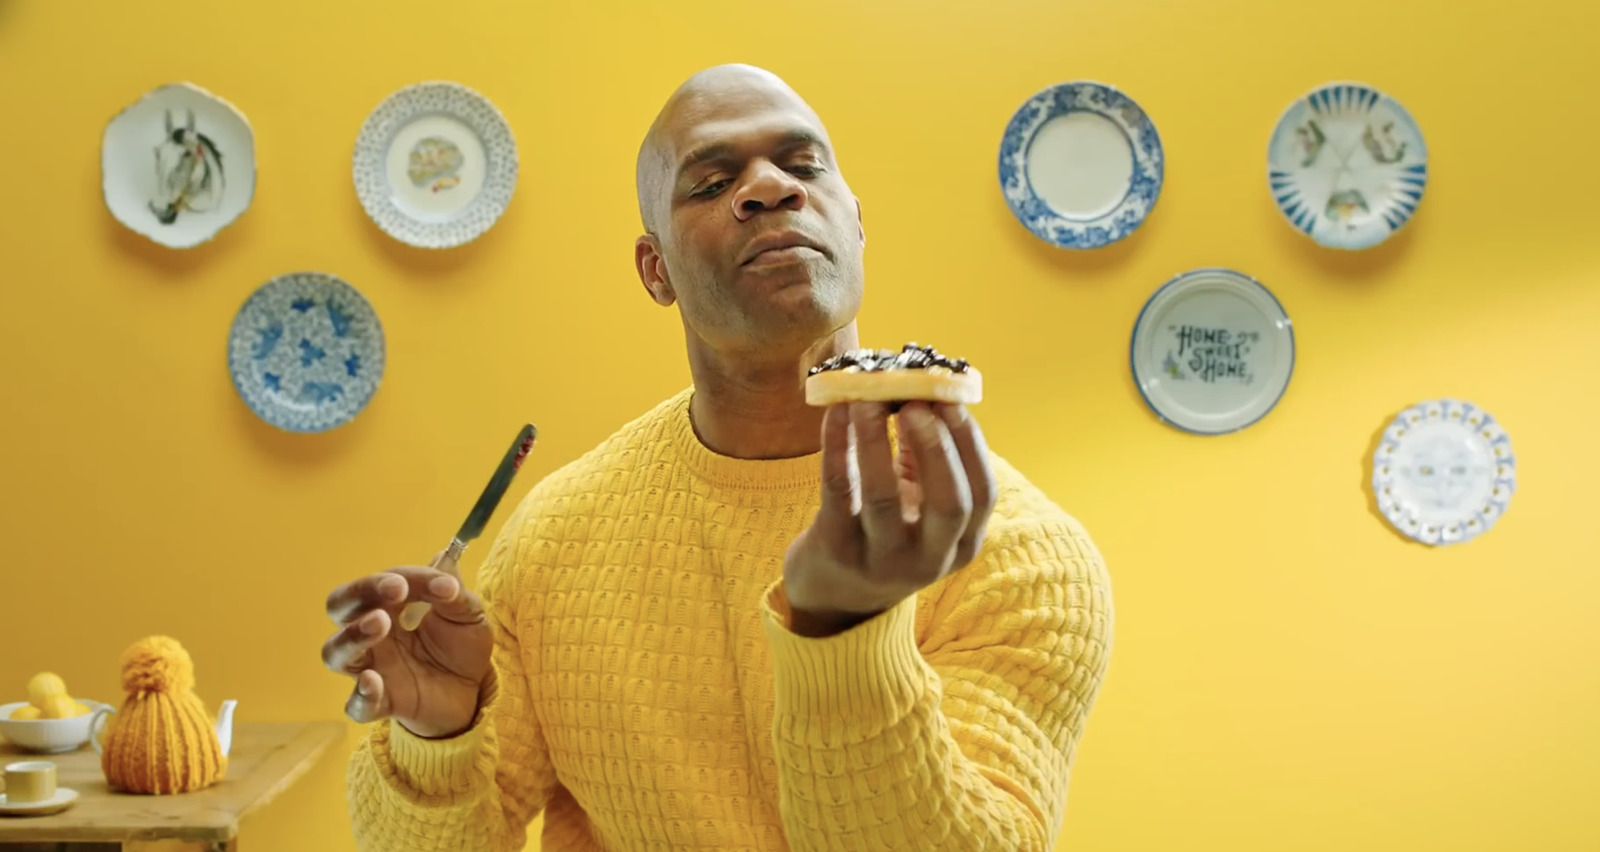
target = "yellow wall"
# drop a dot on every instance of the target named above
(1287, 673)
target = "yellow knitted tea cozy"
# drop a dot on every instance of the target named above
(161, 740)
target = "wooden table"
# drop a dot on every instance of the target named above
(264, 761)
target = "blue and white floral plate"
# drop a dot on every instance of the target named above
(1347, 166)
(1081, 165)
(435, 165)
(1443, 472)
(306, 352)
(1212, 351)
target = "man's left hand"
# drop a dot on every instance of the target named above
(909, 521)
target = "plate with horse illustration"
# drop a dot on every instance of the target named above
(178, 165)
(1347, 166)
(1081, 165)
(435, 165)
(306, 352)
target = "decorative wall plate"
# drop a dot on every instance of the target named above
(1212, 351)
(1081, 165)
(178, 165)
(306, 352)
(435, 165)
(1443, 472)
(1347, 165)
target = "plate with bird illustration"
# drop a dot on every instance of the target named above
(435, 165)
(306, 352)
(178, 165)
(1347, 166)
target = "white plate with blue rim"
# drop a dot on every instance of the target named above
(1347, 166)
(306, 352)
(1443, 472)
(1212, 351)
(435, 165)
(1081, 165)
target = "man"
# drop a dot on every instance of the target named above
(709, 632)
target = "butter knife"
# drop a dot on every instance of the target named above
(476, 520)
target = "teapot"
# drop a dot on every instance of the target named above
(223, 727)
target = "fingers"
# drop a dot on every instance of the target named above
(348, 651)
(369, 700)
(390, 589)
(947, 499)
(974, 453)
(881, 512)
(368, 593)
(838, 486)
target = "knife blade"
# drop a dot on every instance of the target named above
(477, 519)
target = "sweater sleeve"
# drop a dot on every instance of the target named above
(963, 741)
(476, 792)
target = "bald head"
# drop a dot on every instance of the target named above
(696, 100)
(750, 229)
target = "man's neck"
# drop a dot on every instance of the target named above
(755, 408)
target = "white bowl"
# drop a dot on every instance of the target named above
(50, 736)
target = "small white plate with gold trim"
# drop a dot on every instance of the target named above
(1443, 472)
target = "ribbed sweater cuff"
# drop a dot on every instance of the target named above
(869, 675)
(443, 767)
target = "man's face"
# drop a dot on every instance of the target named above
(760, 237)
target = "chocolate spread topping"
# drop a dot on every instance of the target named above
(911, 357)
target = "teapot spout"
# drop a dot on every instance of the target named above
(225, 725)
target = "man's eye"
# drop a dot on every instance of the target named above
(710, 189)
(805, 171)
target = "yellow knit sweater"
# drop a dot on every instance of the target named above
(649, 696)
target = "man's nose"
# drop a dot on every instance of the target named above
(769, 188)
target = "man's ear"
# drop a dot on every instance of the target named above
(652, 268)
(861, 228)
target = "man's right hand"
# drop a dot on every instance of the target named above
(428, 680)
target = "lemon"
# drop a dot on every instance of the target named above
(82, 708)
(25, 713)
(59, 707)
(43, 686)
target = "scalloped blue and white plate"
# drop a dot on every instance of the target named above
(435, 165)
(1347, 166)
(306, 352)
(1212, 351)
(1081, 165)
(1443, 472)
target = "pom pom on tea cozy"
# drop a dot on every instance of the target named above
(157, 664)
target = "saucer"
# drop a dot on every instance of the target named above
(62, 800)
